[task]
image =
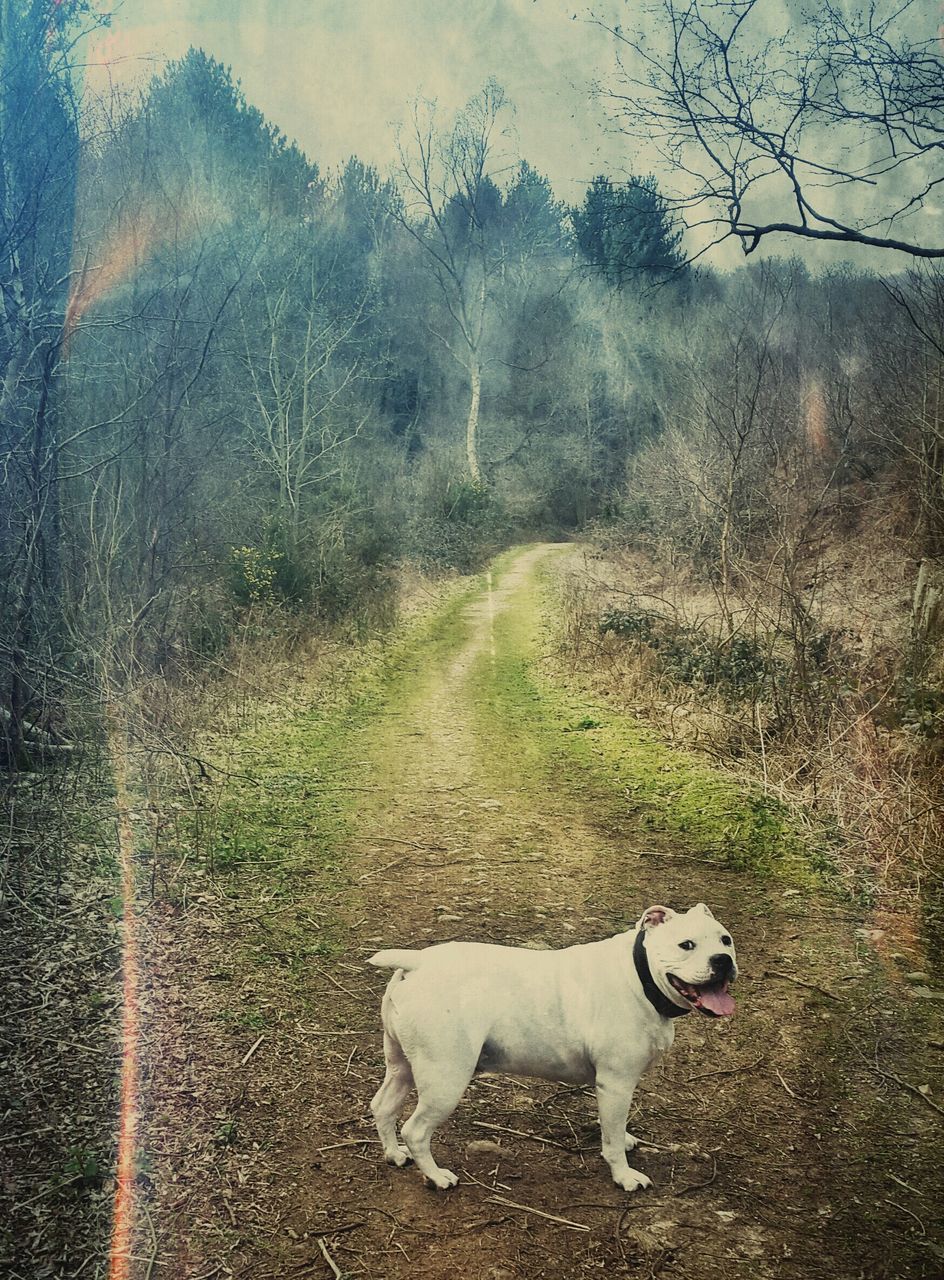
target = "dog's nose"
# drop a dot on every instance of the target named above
(722, 965)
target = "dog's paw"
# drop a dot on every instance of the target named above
(399, 1156)
(631, 1142)
(632, 1180)
(442, 1179)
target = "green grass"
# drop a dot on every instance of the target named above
(633, 777)
(286, 815)
(285, 810)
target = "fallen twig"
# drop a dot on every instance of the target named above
(810, 986)
(784, 1083)
(914, 1190)
(403, 1226)
(315, 1031)
(351, 1142)
(265, 915)
(902, 1209)
(485, 1222)
(152, 1256)
(380, 870)
(20, 1137)
(534, 1137)
(324, 973)
(793, 1094)
(551, 1217)
(890, 1075)
(251, 1051)
(335, 1269)
(727, 1071)
(337, 1231)
(624, 1213)
(697, 1186)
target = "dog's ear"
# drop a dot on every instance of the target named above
(653, 916)
(700, 906)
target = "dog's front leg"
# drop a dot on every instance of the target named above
(614, 1097)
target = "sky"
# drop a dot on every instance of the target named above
(337, 75)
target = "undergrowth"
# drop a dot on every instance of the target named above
(831, 718)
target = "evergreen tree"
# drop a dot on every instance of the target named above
(197, 122)
(627, 231)
(533, 219)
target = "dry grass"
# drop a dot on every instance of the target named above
(839, 751)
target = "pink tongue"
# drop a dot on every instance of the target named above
(718, 1000)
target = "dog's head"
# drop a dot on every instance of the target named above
(691, 958)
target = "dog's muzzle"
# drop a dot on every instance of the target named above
(712, 998)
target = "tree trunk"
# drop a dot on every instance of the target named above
(472, 426)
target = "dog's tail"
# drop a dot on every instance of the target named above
(396, 959)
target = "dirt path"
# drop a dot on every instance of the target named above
(781, 1144)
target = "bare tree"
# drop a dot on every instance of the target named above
(39, 147)
(451, 204)
(826, 125)
(909, 370)
(304, 376)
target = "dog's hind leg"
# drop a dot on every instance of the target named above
(388, 1101)
(439, 1088)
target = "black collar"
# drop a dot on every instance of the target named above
(659, 1001)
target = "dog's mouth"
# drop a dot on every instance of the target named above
(713, 999)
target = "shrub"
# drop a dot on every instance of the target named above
(457, 524)
(692, 656)
(254, 575)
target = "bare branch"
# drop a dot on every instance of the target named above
(836, 119)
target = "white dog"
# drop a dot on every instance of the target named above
(593, 1014)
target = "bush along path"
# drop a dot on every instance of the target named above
(457, 788)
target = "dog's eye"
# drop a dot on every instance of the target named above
(725, 940)
(687, 946)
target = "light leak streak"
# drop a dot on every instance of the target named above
(122, 255)
(123, 1214)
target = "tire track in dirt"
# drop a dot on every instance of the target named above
(484, 822)
(777, 1151)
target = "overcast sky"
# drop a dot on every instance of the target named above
(338, 74)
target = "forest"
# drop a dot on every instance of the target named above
(278, 383)
(253, 408)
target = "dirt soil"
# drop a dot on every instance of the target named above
(797, 1139)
